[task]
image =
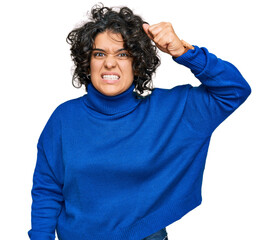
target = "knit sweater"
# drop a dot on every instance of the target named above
(121, 167)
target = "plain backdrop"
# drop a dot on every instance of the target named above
(240, 185)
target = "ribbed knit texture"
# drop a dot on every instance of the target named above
(122, 168)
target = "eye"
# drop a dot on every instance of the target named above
(123, 55)
(98, 54)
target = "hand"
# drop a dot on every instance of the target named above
(163, 35)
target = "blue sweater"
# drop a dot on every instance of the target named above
(122, 168)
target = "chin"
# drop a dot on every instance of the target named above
(111, 91)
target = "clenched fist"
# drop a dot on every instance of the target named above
(163, 35)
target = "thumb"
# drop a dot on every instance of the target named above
(145, 27)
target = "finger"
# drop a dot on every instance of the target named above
(162, 39)
(164, 35)
(145, 27)
(155, 29)
(155, 26)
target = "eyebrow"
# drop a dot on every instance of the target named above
(102, 50)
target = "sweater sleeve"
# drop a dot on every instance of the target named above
(47, 183)
(222, 90)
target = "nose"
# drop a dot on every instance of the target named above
(110, 62)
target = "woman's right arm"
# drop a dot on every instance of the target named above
(47, 183)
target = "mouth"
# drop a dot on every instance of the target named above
(110, 77)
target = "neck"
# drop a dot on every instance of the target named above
(111, 105)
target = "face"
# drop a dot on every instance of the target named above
(111, 65)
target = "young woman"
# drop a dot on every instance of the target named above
(117, 164)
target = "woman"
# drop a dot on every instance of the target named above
(115, 164)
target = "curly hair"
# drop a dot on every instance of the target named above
(138, 44)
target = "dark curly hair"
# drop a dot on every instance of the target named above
(138, 44)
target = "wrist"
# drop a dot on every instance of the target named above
(179, 52)
(186, 48)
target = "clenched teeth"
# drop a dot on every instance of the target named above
(110, 77)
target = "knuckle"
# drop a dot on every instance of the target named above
(156, 39)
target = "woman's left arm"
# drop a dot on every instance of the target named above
(223, 88)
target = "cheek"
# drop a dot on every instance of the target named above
(95, 67)
(128, 67)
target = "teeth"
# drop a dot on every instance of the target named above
(110, 77)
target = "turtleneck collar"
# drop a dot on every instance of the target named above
(111, 105)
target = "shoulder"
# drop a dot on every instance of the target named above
(64, 110)
(68, 106)
(175, 89)
(173, 93)
(168, 100)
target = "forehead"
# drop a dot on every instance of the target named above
(109, 41)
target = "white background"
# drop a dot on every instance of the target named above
(240, 187)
